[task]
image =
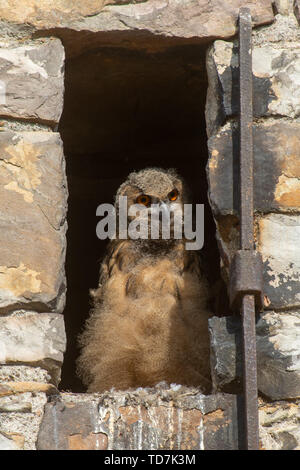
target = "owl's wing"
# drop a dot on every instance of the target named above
(120, 257)
(193, 263)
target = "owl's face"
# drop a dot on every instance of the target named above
(157, 193)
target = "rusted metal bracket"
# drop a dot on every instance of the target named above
(246, 267)
(246, 278)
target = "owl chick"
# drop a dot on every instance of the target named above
(149, 321)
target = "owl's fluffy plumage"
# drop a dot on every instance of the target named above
(149, 322)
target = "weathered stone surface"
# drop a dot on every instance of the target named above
(45, 13)
(279, 237)
(32, 80)
(285, 28)
(14, 405)
(283, 7)
(297, 10)
(276, 168)
(186, 19)
(7, 442)
(276, 79)
(23, 374)
(32, 338)
(13, 388)
(278, 353)
(150, 419)
(279, 425)
(226, 353)
(276, 188)
(33, 197)
(20, 426)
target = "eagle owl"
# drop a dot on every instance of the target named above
(149, 321)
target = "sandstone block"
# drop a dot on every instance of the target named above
(277, 238)
(7, 442)
(35, 339)
(150, 419)
(192, 18)
(13, 388)
(20, 419)
(278, 353)
(226, 353)
(279, 245)
(276, 175)
(283, 7)
(33, 195)
(276, 188)
(14, 405)
(276, 78)
(32, 81)
(279, 427)
(23, 374)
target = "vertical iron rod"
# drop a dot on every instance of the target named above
(246, 226)
(250, 375)
(246, 141)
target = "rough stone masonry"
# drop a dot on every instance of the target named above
(34, 36)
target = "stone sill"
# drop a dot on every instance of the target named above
(159, 418)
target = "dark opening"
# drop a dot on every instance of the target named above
(126, 109)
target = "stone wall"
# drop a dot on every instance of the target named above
(33, 224)
(34, 38)
(276, 79)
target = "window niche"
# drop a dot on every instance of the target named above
(126, 108)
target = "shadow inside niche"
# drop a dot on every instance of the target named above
(126, 110)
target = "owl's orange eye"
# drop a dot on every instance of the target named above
(143, 199)
(173, 195)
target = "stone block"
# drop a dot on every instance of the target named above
(279, 425)
(276, 173)
(297, 10)
(20, 419)
(276, 78)
(276, 184)
(278, 243)
(278, 353)
(23, 374)
(13, 388)
(277, 238)
(7, 442)
(33, 339)
(32, 81)
(150, 419)
(33, 195)
(283, 7)
(14, 405)
(226, 353)
(192, 18)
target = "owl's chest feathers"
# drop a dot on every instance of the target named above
(155, 279)
(145, 273)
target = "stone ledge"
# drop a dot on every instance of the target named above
(151, 419)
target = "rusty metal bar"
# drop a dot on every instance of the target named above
(246, 141)
(246, 227)
(250, 375)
